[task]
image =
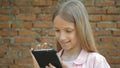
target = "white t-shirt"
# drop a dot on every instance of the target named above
(69, 63)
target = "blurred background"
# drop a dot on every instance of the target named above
(25, 23)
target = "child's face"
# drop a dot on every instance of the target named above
(66, 34)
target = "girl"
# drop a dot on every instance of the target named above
(75, 41)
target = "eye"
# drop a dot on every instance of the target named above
(69, 31)
(56, 30)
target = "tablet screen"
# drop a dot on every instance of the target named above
(46, 56)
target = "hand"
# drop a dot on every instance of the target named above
(64, 65)
(43, 46)
(35, 64)
(50, 66)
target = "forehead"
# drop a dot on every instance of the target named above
(61, 23)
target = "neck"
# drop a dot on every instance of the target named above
(71, 54)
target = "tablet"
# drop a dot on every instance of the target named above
(46, 56)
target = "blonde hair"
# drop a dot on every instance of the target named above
(75, 12)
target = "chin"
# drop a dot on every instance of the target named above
(66, 48)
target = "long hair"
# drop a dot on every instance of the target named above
(74, 11)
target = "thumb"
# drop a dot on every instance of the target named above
(64, 65)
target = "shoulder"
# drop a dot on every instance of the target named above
(96, 57)
(98, 60)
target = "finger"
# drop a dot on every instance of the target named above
(43, 46)
(46, 67)
(37, 47)
(64, 65)
(51, 66)
(30, 51)
(46, 46)
(35, 64)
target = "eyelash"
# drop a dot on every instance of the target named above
(68, 31)
(57, 30)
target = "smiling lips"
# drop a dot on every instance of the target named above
(64, 43)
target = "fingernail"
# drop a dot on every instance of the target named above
(38, 44)
(45, 43)
(31, 49)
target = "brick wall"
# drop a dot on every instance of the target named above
(25, 23)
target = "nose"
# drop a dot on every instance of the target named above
(62, 36)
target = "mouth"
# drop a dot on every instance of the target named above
(64, 43)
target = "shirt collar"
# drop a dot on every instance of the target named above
(82, 58)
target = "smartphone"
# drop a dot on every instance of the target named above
(46, 56)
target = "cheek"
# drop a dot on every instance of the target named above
(74, 37)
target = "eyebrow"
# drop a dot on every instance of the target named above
(65, 28)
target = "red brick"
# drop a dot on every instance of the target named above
(111, 39)
(47, 10)
(6, 40)
(18, 66)
(43, 33)
(112, 66)
(15, 10)
(5, 18)
(55, 3)
(44, 17)
(4, 11)
(41, 2)
(113, 53)
(104, 3)
(18, 47)
(102, 52)
(48, 40)
(51, 33)
(102, 33)
(4, 26)
(28, 33)
(106, 25)
(2, 54)
(94, 10)
(42, 25)
(3, 47)
(93, 25)
(5, 3)
(106, 46)
(6, 61)
(3, 66)
(12, 54)
(23, 61)
(117, 45)
(117, 3)
(26, 54)
(22, 2)
(116, 33)
(88, 2)
(97, 40)
(25, 10)
(110, 17)
(95, 17)
(113, 10)
(114, 60)
(24, 17)
(22, 25)
(118, 25)
(117, 66)
(8, 33)
(36, 10)
(24, 40)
